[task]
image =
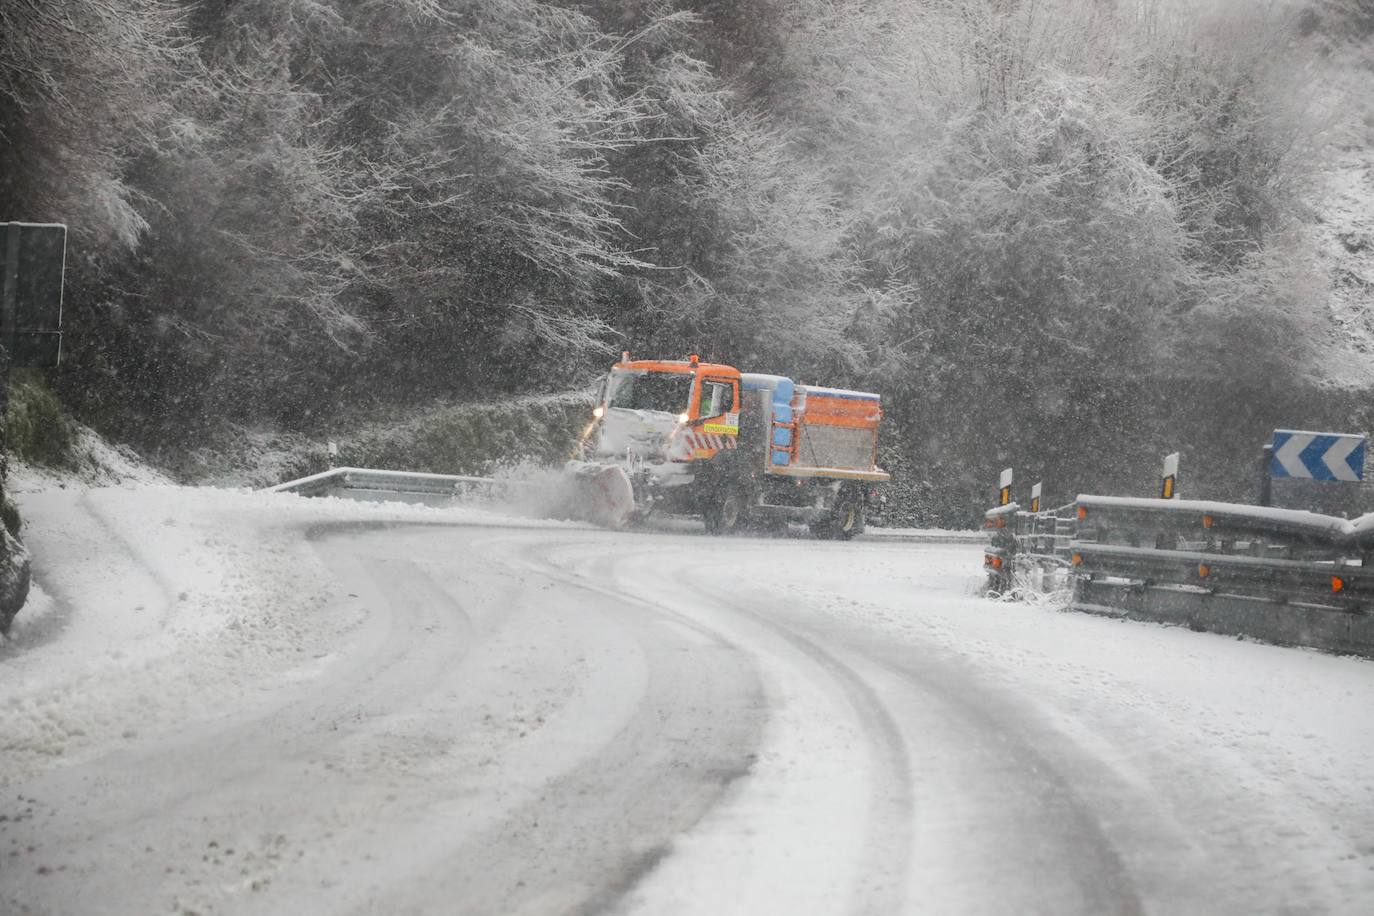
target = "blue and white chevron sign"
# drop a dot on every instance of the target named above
(1317, 456)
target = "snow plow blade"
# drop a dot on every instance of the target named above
(599, 493)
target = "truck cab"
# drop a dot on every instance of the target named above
(667, 410)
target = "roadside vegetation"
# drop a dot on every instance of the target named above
(1068, 234)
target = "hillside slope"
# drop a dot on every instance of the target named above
(1346, 210)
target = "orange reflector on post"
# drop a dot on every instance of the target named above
(1208, 521)
(1082, 512)
(1204, 570)
(1077, 559)
(1337, 584)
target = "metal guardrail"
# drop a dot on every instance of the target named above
(1107, 518)
(370, 479)
(1280, 575)
(1034, 544)
(1282, 555)
(1332, 583)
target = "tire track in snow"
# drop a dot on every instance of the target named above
(1041, 842)
(881, 885)
(642, 675)
(599, 827)
(1084, 874)
(871, 877)
(888, 697)
(154, 803)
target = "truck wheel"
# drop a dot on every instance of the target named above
(845, 521)
(726, 514)
(849, 520)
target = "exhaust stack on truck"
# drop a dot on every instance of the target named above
(735, 448)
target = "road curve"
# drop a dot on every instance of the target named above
(562, 720)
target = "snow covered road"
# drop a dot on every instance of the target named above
(239, 703)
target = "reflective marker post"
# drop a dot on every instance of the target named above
(1035, 496)
(1168, 486)
(1266, 485)
(1004, 488)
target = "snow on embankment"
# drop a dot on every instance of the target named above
(471, 438)
(1344, 212)
(93, 462)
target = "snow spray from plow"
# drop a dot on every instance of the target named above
(599, 493)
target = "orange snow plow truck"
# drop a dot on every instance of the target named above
(736, 448)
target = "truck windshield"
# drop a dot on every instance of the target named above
(668, 392)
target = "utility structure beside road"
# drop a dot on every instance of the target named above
(32, 263)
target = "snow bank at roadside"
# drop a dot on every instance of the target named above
(96, 463)
(158, 605)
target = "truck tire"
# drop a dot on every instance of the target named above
(726, 514)
(850, 520)
(845, 521)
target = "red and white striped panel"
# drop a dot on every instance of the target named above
(702, 440)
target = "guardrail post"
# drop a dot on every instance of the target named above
(1168, 486)
(1266, 481)
(999, 558)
